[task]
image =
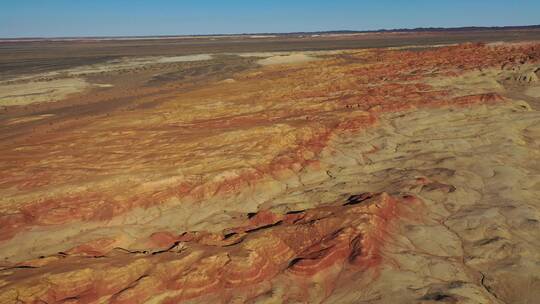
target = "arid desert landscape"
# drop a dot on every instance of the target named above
(362, 168)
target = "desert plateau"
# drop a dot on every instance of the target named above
(393, 167)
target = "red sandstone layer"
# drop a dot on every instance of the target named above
(318, 245)
(100, 168)
(213, 143)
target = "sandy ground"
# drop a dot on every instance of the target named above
(286, 59)
(533, 92)
(40, 91)
(57, 85)
(44, 90)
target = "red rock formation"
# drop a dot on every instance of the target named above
(225, 138)
(381, 81)
(296, 248)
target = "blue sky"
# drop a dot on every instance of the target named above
(54, 18)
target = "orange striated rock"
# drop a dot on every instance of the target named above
(297, 248)
(311, 100)
(214, 194)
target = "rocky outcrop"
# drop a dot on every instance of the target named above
(373, 175)
(302, 248)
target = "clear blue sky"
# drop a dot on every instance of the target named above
(53, 18)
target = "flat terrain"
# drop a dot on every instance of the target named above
(47, 55)
(373, 168)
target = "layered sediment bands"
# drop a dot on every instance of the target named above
(304, 248)
(267, 188)
(224, 137)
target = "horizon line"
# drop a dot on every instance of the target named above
(344, 31)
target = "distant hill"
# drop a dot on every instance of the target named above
(334, 32)
(419, 29)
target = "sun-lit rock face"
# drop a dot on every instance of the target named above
(304, 248)
(351, 177)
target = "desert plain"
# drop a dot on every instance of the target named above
(373, 168)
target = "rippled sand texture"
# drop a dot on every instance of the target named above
(368, 176)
